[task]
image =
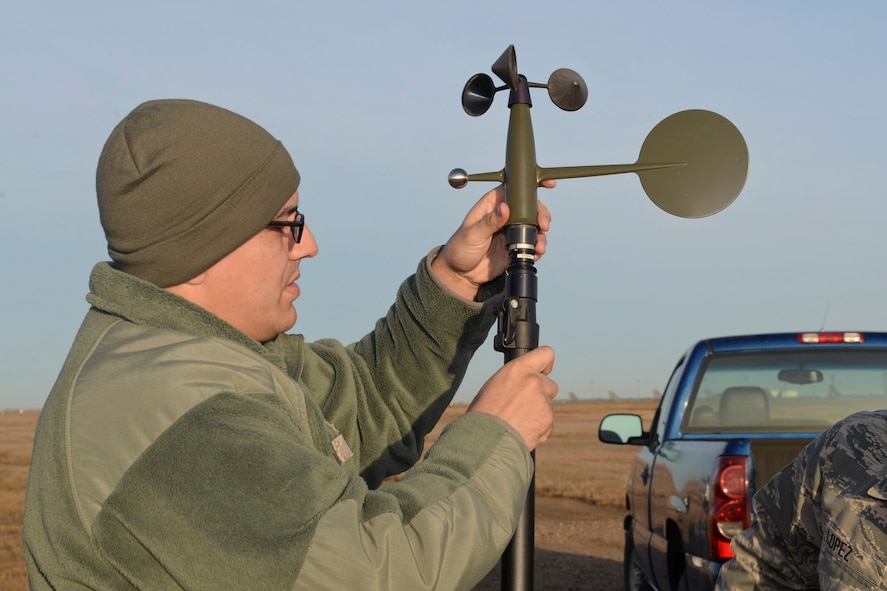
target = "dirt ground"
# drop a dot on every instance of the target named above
(579, 503)
(578, 547)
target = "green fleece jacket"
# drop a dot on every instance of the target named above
(174, 452)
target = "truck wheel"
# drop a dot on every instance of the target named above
(635, 579)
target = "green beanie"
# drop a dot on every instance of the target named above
(181, 184)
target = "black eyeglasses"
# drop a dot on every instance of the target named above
(296, 226)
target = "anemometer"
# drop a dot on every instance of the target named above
(692, 164)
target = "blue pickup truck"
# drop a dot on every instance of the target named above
(735, 411)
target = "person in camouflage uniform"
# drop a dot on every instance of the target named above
(821, 523)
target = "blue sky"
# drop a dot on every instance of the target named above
(366, 98)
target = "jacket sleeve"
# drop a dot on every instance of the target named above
(387, 391)
(235, 495)
(443, 526)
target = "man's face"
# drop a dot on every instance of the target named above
(254, 287)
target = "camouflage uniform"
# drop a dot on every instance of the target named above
(821, 523)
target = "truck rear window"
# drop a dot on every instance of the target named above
(785, 391)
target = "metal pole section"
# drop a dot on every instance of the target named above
(519, 333)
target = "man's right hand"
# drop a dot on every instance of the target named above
(520, 394)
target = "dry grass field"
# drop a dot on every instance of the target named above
(16, 438)
(580, 486)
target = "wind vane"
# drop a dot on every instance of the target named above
(692, 164)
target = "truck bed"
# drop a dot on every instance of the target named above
(769, 456)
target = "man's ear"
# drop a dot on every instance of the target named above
(197, 280)
(188, 289)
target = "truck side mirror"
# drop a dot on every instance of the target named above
(622, 429)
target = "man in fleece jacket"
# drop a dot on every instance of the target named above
(191, 443)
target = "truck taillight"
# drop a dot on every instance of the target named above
(730, 507)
